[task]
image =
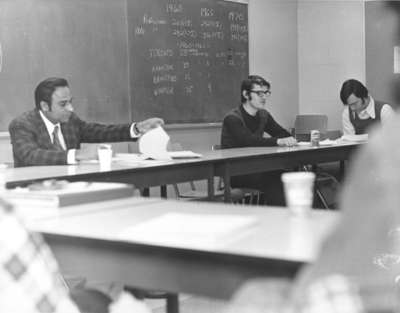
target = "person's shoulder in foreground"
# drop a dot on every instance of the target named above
(244, 126)
(356, 270)
(30, 281)
(51, 134)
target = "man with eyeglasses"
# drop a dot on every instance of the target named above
(361, 111)
(244, 127)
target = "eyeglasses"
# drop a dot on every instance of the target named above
(261, 93)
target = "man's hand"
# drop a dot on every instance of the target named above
(146, 125)
(286, 142)
(86, 152)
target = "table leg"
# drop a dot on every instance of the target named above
(342, 168)
(145, 192)
(210, 187)
(227, 184)
(163, 191)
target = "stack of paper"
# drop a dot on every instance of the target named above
(68, 194)
(355, 138)
(189, 230)
(185, 154)
(322, 143)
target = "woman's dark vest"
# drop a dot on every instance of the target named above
(361, 126)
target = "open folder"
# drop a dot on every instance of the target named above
(62, 193)
(153, 146)
(355, 138)
(185, 154)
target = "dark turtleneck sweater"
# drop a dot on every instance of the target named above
(240, 129)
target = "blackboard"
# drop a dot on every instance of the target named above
(84, 41)
(187, 58)
(102, 48)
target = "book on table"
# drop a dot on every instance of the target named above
(61, 193)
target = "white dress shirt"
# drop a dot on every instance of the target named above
(50, 129)
(71, 152)
(369, 112)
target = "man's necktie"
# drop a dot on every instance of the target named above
(56, 140)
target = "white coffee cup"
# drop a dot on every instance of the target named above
(105, 155)
(299, 191)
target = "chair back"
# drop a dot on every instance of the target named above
(304, 124)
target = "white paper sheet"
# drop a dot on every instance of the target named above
(153, 144)
(322, 143)
(134, 159)
(185, 154)
(355, 138)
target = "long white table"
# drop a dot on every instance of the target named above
(87, 241)
(224, 163)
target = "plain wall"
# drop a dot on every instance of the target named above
(273, 54)
(331, 49)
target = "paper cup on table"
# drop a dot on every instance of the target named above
(299, 191)
(105, 155)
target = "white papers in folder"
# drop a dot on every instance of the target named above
(355, 138)
(189, 230)
(153, 144)
(185, 154)
(322, 143)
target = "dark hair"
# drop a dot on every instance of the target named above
(46, 88)
(249, 82)
(353, 86)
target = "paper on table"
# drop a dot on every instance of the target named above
(186, 229)
(355, 138)
(185, 154)
(304, 143)
(136, 159)
(153, 144)
(326, 142)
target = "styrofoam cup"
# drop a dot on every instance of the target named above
(299, 191)
(105, 155)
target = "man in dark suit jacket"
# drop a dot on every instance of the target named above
(51, 134)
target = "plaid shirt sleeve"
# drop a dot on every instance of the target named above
(29, 276)
(329, 294)
(332, 294)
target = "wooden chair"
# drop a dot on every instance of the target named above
(194, 193)
(302, 128)
(238, 195)
(172, 299)
(251, 195)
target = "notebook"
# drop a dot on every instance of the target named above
(61, 194)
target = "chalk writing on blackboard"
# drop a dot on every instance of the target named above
(187, 58)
